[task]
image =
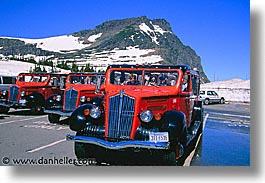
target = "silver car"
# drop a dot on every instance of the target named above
(210, 96)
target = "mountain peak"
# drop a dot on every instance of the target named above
(130, 40)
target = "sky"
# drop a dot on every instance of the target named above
(218, 30)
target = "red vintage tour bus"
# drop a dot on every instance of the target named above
(152, 111)
(31, 90)
(80, 89)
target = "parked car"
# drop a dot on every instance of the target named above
(80, 89)
(5, 82)
(31, 90)
(210, 96)
(144, 113)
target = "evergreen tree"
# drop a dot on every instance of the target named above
(63, 65)
(88, 68)
(74, 68)
(82, 69)
(37, 68)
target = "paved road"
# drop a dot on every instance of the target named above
(24, 136)
(226, 137)
(229, 112)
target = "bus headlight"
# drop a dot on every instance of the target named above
(95, 112)
(4, 92)
(83, 99)
(146, 116)
(22, 94)
(58, 98)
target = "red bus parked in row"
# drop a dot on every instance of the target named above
(147, 112)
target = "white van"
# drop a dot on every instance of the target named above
(210, 96)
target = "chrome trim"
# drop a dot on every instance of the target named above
(61, 113)
(5, 105)
(70, 99)
(120, 115)
(14, 90)
(119, 145)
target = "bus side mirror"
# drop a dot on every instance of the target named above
(97, 90)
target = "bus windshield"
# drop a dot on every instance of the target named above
(32, 78)
(143, 78)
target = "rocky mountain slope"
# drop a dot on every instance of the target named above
(132, 40)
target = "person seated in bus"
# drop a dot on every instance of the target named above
(153, 81)
(163, 80)
(82, 80)
(87, 80)
(146, 79)
(184, 87)
(93, 80)
(126, 79)
(133, 80)
(122, 80)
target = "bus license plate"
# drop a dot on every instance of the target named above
(159, 137)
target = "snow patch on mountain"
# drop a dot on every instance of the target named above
(94, 37)
(56, 44)
(130, 55)
(159, 29)
(152, 33)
